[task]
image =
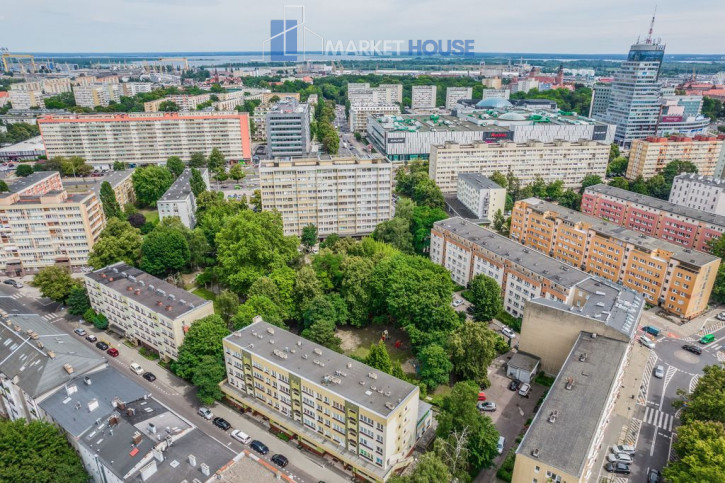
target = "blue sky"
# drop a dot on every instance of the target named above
(563, 26)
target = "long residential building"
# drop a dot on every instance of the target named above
(466, 250)
(657, 218)
(145, 138)
(100, 94)
(678, 279)
(144, 309)
(699, 192)
(185, 102)
(41, 224)
(334, 405)
(567, 161)
(648, 157)
(338, 194)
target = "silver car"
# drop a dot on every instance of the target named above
(659, 372)
(619, 458)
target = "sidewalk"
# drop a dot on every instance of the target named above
(674, 328)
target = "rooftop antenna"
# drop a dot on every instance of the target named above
(651, 27)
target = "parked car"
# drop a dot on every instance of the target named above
(692, 348)
(113, 352)
(514, 385)
(259, 447)
(619, 458)
(102, 345)
(706, 339)
(621, 468)
(221, 423)
(457, 302)
(137, 369)
(652, 330)
(149, 376)
(646, 341)
(206, 413)
(500, 444)
(623, 448)
(720, 316)
(91, 338)
(481, 396)
(280, 460)
(508, 332)
(524, 390)
(486, 406)
(659, 372)
(653, 476)
(80, 331)
(241, 436)
(14, 283)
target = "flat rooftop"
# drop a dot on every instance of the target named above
(639, 239)
(651, 202)
(576, 413)
(530, 114)
(325, 160)
(115, 178)
(175, 301)
(428, 123)
(479, 181)
(318, 365)
(32, 144)
(528, 258)
(702, 180)
(180, 189)
(21, 184)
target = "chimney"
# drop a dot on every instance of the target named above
(68, 368)
(137, 438)
(87, 380)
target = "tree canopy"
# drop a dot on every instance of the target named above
(111, 208)
(118, 242)
(55, 282)
(485, 297)
(150, 184)
(472, 347)
(204, 338)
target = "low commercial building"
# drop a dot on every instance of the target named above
(648, 157)
(41, 224)
(455, 94)
(145, 138)
(123, 434)
(698, 192)
(681, 116)
(677, 279)
(360, 114)
(481, 195)
(28, 150)
(567, 161)
(288, 129)
(144, 309)
(122, 185)
(36, 360)
(423, 97)
(332, 404)
(185, 102)
(179, 199)
(657, 218)
(93, 95)
(466, 250)
(338, 194)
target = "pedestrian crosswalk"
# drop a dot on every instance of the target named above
(50, 317)
(16, 296)
(657, 418)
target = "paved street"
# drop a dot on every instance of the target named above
(180, 395)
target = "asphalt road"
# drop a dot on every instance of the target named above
(659, 419)
(180, 396)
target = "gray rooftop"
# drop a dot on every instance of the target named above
(24, 183)
(31, 144)
(651, 202)
(565, 443)
(70, 408)
(479, 181)
(181, 188)
(644, 242)
(522, 360)
(424, 123)
(151, 289)
(114, 178)
(39, 354)
(257, 339)
(700, 179)
(528, 258)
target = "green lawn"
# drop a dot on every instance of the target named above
(357, 342)
(152, 215)
(204, 293)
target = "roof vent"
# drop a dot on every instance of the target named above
(168, 308)
(535, 453)
(87, 380)
(305, 356)
(317, 351)
(271, 341)
(349, 365)
(569, 383)
(553, 416)
(372, 375)
(68, 368)
(115, 270)
(299, 343)
(594, 336)
(270, 330)
(51, 354)
(583, 357)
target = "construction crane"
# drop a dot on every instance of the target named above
(176, 59)
(7, 55)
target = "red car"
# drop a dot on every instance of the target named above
(481, 396)
(113, 352)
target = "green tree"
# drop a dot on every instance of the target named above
(78, 301)
(421, 223)
(677, 167)
(427, 193)
(307, 287)
(404, 208)
(37, 451)
(207, 376)
(23, 170)
(163, 251)
(236, 172)
(619, 182)
(717, 248)
(554, 190)
(328, 267)
(323, 333)
(618, 166)
(379, 358)
(658, 187)
(429, 469)
(119, 165)
(55, 282)
(707, 401)
(226, 305)
(396, 232)
(4, 187)
(169, 106)
(499, 223)
(254, 306)
(197, 160)
(150, 183)
(197, 183)
(256, 200)
(700, 446)
(330, 307)
(435, 367)
(216, 160)
(499, 179)
(613, 152)
(309, 235)
(571, 199)
(355, 288)
(175, 165)
(204, 338)
(100, 322)
(485, 297)
(111, 208)
(472, 348)
(118, 242)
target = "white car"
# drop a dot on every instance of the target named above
(486, 406)
(136, 368)
(240, 436)
(206, 413)
(646, 341)
(457, 302)
(623, 448)
(619, 458)
(524, 390)
(508, 332)
(659, 372)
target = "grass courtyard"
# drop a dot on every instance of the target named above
(357, 341)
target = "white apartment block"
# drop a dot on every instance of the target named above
(228, 101)
(343, 195)
(423, 97)
(699, 192)
(393, 93)
(42, 225)
(93, 95)
(26, 95)
(560, 160)
(359, 114)
(524, 85)
(334, 405)
(185, 103)
(27, 99)
(130, 89)
(179, 200)
(384, 94)
(145, 138)
(481, 195)
(496, 93)
(454, 94)
(144, 309)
